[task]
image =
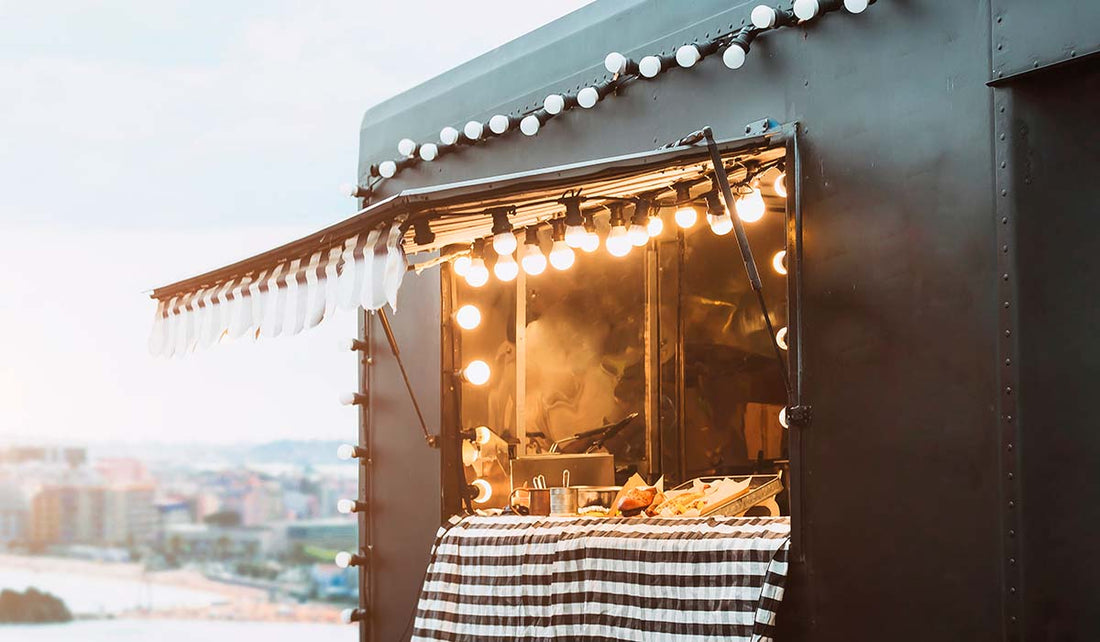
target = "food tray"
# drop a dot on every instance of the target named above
(761, 489)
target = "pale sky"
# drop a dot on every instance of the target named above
(142, 142)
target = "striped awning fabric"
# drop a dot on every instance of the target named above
(285, 298)
(539, 578)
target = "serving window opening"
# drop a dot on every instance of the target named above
(635, 339)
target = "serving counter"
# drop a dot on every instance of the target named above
(541, 578)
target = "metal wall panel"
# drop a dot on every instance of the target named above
(1031, 34)
(404, 470)
(1054, 143)
(901, 493)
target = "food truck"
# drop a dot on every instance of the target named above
(816, 279)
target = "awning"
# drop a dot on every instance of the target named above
(361, 261)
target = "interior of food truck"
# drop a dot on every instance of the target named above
(621, 324)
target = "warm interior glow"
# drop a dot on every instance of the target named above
(618, 241)
(779, 262)
(781, 337)
(461, 265)
(506, 268)
(476, 372)
(504, 243)
(478, 274)
(686, 216)
(562, 256)
(655, 226)
(783, 418)
(638, 235)
(534, 261)
(574, 235)
(780, 185)
(591, 242)
(721, 224)
(468, 317)
(470, 452)
(750, 206)
(482, 435)
(484, 491)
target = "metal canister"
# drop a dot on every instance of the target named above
(563, 501)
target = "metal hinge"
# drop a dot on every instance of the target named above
(800, 416)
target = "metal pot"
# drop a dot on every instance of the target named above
(596, 496)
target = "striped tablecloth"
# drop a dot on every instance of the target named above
(554, 578)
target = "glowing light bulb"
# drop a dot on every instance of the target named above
(721, 224)
(554, 104)
(750, 207)
(779, 261)
(686, 216)
(780, 185)
(461, 265)
(638, 235)
(504, 243)
(575, 235)
(406, 146)
(470, 452)
(387, 169)
(734, 57)
(429, 152)
(561, 255)
(534, 261)
(618, 241)
(781, 338)
(468, 317)
(478, 274)
(484, 491)
(506, 268)
(343, 559)
(482, 435)
(345, 506)
(591, 241)
(649, 66)
(687, 56)
(448, 135)
(476, 372)
(346, 452)
(783, 418)
(655, 226)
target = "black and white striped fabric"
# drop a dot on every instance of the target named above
(546, 578)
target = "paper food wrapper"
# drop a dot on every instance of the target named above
(634, 482)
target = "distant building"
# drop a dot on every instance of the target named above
(262, 503)
(337, 533)
(203, 541)
(73, 457)
(131, 517)
(14, 514)
(92, 514)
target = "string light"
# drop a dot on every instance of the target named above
(734, 55)
(688, 55)
(406, 147)
(806, 10)
(461, 264)
(719, 219)
(347, 452)
(429, 152)
(783, 418)
(482, 435)
(750, 206)
(781, 338)
(589, 96)
(345, 559)
(473, 130)
(477, 275)
(504, 241)
(857, 6)
(638, 234)
(561, 255)
(483, 491)
(349, 506)
(656, 225)
(468, 317)
(779, 262)
(591, 241)
(353, 399)
(618, 240)
(506, 268)
(651, 66)
(448, 135)
(349, 616)
(476, 372)
(574, 222)
(780, 184)
(531, 123)
(387, 168)
(470, 452)
(616, 63)
(685, 211)
(765, 17)
(500, 124)
(534, 261)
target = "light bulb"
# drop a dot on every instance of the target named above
(561, 255)
(687, 56)
(478, 274)
(482, 435)
(429, 152)
(448, 135)
(530, 125)
(588, 97)
(506, 268)
(721, 224)
(638, 235)
(504, 243)
(615, 63)
(470, 452)
(783, 418)
(780, 185)
(781, 338)
(649, 66)
(750, 207)
(343, 559)
(473, 130)
(498, 124)
(554, 104)
(806, 9)
(534, 261)
(618, 241)
(655, 226)
(476, 372)
(345, 506)
(857, 6)
(346, 452)
(387, 169)
(764, 17)
(461, 265)
(734, 57)
(484, 491)
(468, 317)
(591, 241)
(406, 146)
(686, 216)
(575, 235)
(779, 262)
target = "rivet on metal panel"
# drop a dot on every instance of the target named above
(1004, 192)
(1006, 304)
(1008, 333)
(1012, 590)
(1003, 164)
(1008, 390)
(1002, 109)
(1004, 248)
(1002, 136)
(1012, 561)
(1011, 504)
(1008, 419)
(1012, 532)
(1010, 446)
(1012, 619)
(1004, 277)
(1008, 362)
(1004, 220)
(1011, 476)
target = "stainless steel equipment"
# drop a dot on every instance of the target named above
(594, 469)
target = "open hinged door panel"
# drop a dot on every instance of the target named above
(361, 261)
